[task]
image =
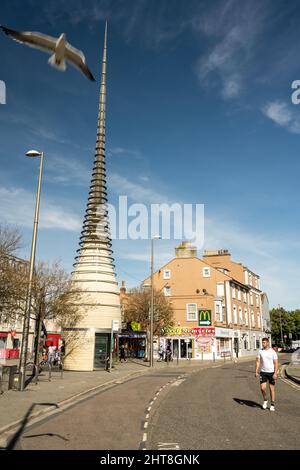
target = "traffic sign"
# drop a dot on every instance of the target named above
(204, 317)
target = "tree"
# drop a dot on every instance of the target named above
(290, 323)
(137, 308)
(54, 298)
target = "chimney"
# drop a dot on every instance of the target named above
(123, 290)
(186, 250)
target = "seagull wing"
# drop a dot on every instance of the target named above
(76, 58)
(36, 40)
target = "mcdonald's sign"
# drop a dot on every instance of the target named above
(204, 317)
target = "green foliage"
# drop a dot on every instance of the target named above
(290, 323)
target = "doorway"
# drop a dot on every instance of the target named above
(102, 341)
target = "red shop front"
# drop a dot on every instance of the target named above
(52, 340)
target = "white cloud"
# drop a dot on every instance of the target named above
(17, 207)
(283, 115)
(233, 28)
(137, 192)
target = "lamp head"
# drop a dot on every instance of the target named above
(33, 153)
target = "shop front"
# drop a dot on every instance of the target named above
(134, 343)
(224, 342)
(188, 343)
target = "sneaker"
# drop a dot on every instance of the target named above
(265, 405)
(272, 408)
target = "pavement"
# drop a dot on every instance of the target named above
(46, 396)
(292, 371)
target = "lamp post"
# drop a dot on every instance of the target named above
(26, 323)
(157, 237)
(280, 325)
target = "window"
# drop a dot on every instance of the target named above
(250, 279)
(233, 292)
(191, 312)
(206, 272)
(218, 311)
(167, 274)
(258, 319)
(252, 318)
(241, 315)
(234, 314)
(220, 289)
(251, 298)
(245, 296)
(257, 344)
(246, 316)
(239, 293)
(167, 291)
(257, 301)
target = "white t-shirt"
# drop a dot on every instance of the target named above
(267, 357)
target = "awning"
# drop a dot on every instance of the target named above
(3, 334)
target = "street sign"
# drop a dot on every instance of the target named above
(115, 325)
(204, 317)
(285, 336)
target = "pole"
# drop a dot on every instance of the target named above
(279, 307)
(111, 348)
(151, 306)
(26, 324)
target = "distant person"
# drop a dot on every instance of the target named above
(267, 370)
(122, 353)
(51, 354)
(161, 353)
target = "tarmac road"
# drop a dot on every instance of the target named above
(222, 410)
(215, 408)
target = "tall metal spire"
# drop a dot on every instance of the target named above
(95, 232)
(94, 274)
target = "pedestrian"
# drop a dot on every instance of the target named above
(122, 353)
(161, 353)
(267, 370)
(51, 354)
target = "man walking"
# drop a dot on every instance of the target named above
(267, 363)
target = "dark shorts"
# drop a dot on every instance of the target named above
(267, 377)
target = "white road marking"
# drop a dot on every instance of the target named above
(168, 446)
(146, 425)
(145, 437)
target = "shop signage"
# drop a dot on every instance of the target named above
(204, 317)
(135, 326)
(115, 325)
(224, 333)
(187, 331)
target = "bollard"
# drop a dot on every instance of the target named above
(1, 391)
(49, 378)
(214, 356)
(202, 356)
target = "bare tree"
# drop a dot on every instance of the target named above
(10, 240)
(137, 308)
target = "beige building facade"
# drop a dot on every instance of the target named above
(216, 302)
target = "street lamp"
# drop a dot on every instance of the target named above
(157, 237)
(280, 325)
(26, 323)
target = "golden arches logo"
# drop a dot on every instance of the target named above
(204, 315)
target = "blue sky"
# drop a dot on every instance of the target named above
(198, 111)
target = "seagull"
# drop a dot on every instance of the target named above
(60, 50)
